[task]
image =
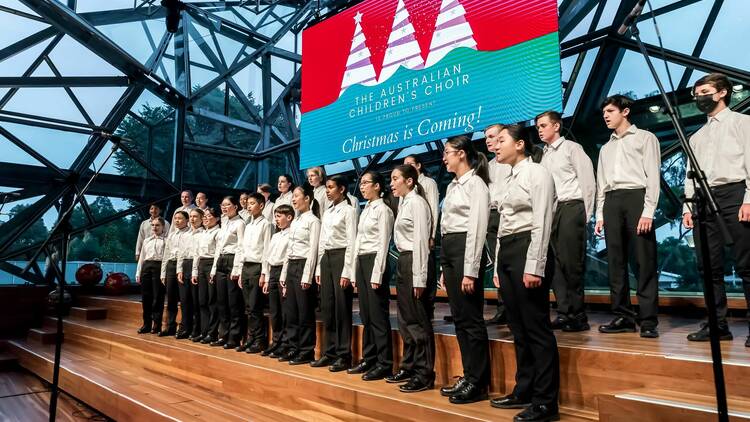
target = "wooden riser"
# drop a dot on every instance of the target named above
(88, 313)
(659, 405)
(287, 392)
(44, 335)
(585, 371)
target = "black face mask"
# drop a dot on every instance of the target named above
(705, 103)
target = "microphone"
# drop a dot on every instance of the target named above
(631, 17)
(114, 138)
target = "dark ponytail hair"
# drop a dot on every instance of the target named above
(234, 202)
(309, 192)
(477, 161)
(422, 168)
(214, 213)
(385, 193)
(518, 133)
(340, 182)
(289, 179)
(409, 172)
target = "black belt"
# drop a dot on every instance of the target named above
(728, 186)
(570, 202)
(515, 236)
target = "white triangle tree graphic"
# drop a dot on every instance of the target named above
(451, 31)
(403, 49)
(359, 68)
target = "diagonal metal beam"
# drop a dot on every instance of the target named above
(61, 81)
(27, 42)
(707, 27)
(31, 151)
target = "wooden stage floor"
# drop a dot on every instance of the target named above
(603, 377)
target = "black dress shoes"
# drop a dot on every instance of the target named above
(301, 359)
(144, 330)
(254, 348)
(323, 361)
(230, 345)
(242, 347)
(359, 368)
(747, 342)
(182, 335)
(450, 390)
(704, 334)
(538, 413)
(219, 342)
(415, 385)
(156, 329)
(208, 340)
(270, 349)
(288, 355)
(377, 373)
(576, 326)
(649, 332)
(340, 365)
(469, 393)
(499, 319)
(197, 338)
(510, 402)
(618, 325)
(559, 322)
(401, 376)
(278, 353)
(167, 333)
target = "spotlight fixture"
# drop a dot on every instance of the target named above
(654, 109)
(174, 9)
(737, 88)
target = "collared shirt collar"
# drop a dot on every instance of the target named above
(463, 179)
(555, 145)
(631, 130)
(515, 170)
(374, 203)
(412, 193)
(253, 220)
(723, 114)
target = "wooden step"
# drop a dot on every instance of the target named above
(295, 391)
(45, 335)
(8, 361)
(88, 313)
(666, 405)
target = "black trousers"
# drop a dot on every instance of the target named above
(374, 310)
(186, 297)
(196, 303)
(275, 305)
(152, 294)
(209, 315)
(255, 301)
(173, 295)
(568, 241)
(335, 306)
(729, 198)
(467, 310)
(537, 358)
(414, 324)
(492, 229)
(301, 308)
(622, 210)
(432, 285)
(229, 300)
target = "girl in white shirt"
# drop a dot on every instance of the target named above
(148, 276)
(201, 276)
(226, 273)
(297, 276)
(524, 278)
(333, 275)
(189, 303)
(316, 177)
(169, 269)
(411, 233)
(463, 228)
(372, 276)
(285, 185)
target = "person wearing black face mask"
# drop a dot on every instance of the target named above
(722, 147)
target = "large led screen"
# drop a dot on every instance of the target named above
(387, 74)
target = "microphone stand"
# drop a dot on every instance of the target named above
(705, 208)
(64, 228)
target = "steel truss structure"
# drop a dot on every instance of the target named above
(212, 132)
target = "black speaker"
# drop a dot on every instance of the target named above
(174, 7)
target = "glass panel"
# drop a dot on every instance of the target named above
(634, 79)
(679, 29)
(213, 170)
(583, 27)
(608, 14)
(73, 59)
(15, 155)
(61, 148)
(97, 5)
(730, 27)
(16, 65)
(575, 93)
(98, 102)
(567, 64)
(16, 27)
(132, 38)
(46, 102)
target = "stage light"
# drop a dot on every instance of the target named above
(654, 109)
(174, 9)
(737, 88)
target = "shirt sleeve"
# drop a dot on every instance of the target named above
(420, 244)
(542, 193)
(433, 200)
(476, 234)
(237, 264)
(196, 258)
(266, 236)
(584, 170)
(321, 251)
(165, 257)
(139, 241)
(600, 182)
(689, 187)
(652, 168)
(181, 251)
(282, 277)
(385, 230)
(140, 261)
(351, 236)
(312, 261)
(217, 253)
(744, 139)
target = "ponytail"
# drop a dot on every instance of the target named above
(309, 192)
(477, 161)
(518, 134)
(385, 193)
(341, 182)
(409, 172)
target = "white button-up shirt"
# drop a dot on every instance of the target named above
(499, 174)
(338, 231)
(277, 251)
(229, 240)
(466, 209)
(529, 205)
(188, 246)
(145, 231)
(255, 240)
(411, 232)
(206, 247)
(320, 195)
(572, 172)
(284, 198)
(374, 236)
(630, 161)
(151, 250)
(304, 235)
(172, 248)
(722, 147)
